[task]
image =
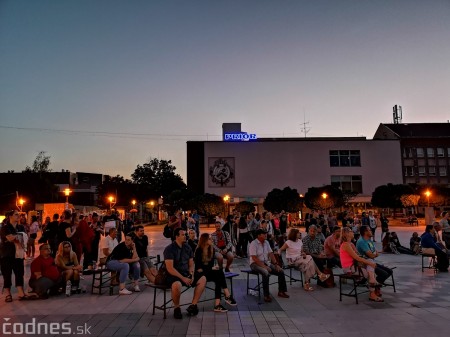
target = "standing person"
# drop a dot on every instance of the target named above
(264, 263)
(243, 238)
(196, 218)
(283, 222)
(384, 225)
(51, 234)
(65, 229)
(98, 229)
(84, 245)
(204, 265)
(12, 255)
(372, 224)
(32, 235)
(445, 225)
(128, 224)
(192, 240)
(179, 261)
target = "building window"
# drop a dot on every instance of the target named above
(431, 170)
(409, 171)
(440, 152)
(420, 152)
(345, 158)
(430, 152)
(348, 183)
(407, 153)
(422, 171)
(442, 171)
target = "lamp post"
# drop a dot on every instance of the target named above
(325, 196)
(428, 193)
(67, 192)
(111, 201)
(226, 199)
(19, 204)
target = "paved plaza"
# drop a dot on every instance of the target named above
(421, 306)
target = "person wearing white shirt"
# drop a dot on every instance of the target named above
(107, 244)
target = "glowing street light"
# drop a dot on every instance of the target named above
(19, 204)
(67, 192)
(111, 201)
(324, 196)
(133, 202)
(226, 199)
(152, 203)
(428, 193)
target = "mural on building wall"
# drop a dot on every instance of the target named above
(221, 172)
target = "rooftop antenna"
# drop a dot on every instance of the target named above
(397, 114)
(304, 128)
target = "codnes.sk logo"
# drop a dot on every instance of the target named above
(42, 328)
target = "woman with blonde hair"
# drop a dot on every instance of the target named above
(350, 258)
(67, 262)
(204, 265)
(296, 256)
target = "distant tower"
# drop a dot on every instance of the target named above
(397, 114)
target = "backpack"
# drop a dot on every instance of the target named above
(168, 232)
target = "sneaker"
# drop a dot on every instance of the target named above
(192, 310)
(125, 291)
(177, 313)
(220, 308)
(136, 288)
(230, 300)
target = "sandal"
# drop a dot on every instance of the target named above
(308, 287)
(8, 298)
(323, 277)
(376, 299)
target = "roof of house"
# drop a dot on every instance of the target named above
(419, 130)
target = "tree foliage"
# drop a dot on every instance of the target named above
(286, 199)
(314, 197)
(157, 178)
(245, 207)
(123, 190)
(41, 164)
(208, 204)
(182, 199)
(389, 196)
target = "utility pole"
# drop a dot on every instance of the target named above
(304, 127)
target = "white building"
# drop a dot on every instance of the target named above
(249, 168)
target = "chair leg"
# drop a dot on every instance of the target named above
(165, 305)
(340, 289)
(154, 300)
(356, 290)
(393, 282)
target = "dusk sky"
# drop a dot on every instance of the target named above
(102, 86)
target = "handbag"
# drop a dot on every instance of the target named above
(161, 276)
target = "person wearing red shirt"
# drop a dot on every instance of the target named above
(45, 275)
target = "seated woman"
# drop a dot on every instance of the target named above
(414, 243)
(430, 246)
(349, 257)
(396, 246)
(67, 262)
(385, 242)
(204, 266)
(124, 259)
(297, 257)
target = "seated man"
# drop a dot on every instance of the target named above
(366, 248)
(107, 245)
(263, 262)
(45, 275)
(313, 246)
(179, 261)
(222, 246)
(428, 242)
(332, 247)
(141, 242)
(124, 259)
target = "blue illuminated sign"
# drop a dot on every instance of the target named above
(239, 136)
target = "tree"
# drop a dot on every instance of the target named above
(182, 199)
(388, 196)
(208, 204)
(123, 190)
(286, 199)
(41, 164)
(314, 197)
(410, 200)
(245, 207)
(157, 178)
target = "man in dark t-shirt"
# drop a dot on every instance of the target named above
(141, 242)
(179, 261)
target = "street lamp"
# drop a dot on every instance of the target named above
(111, 202)
(19, 204)
(428, 193)
(133, 202)
(226, 199)
(67, 192)
(325, 196)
